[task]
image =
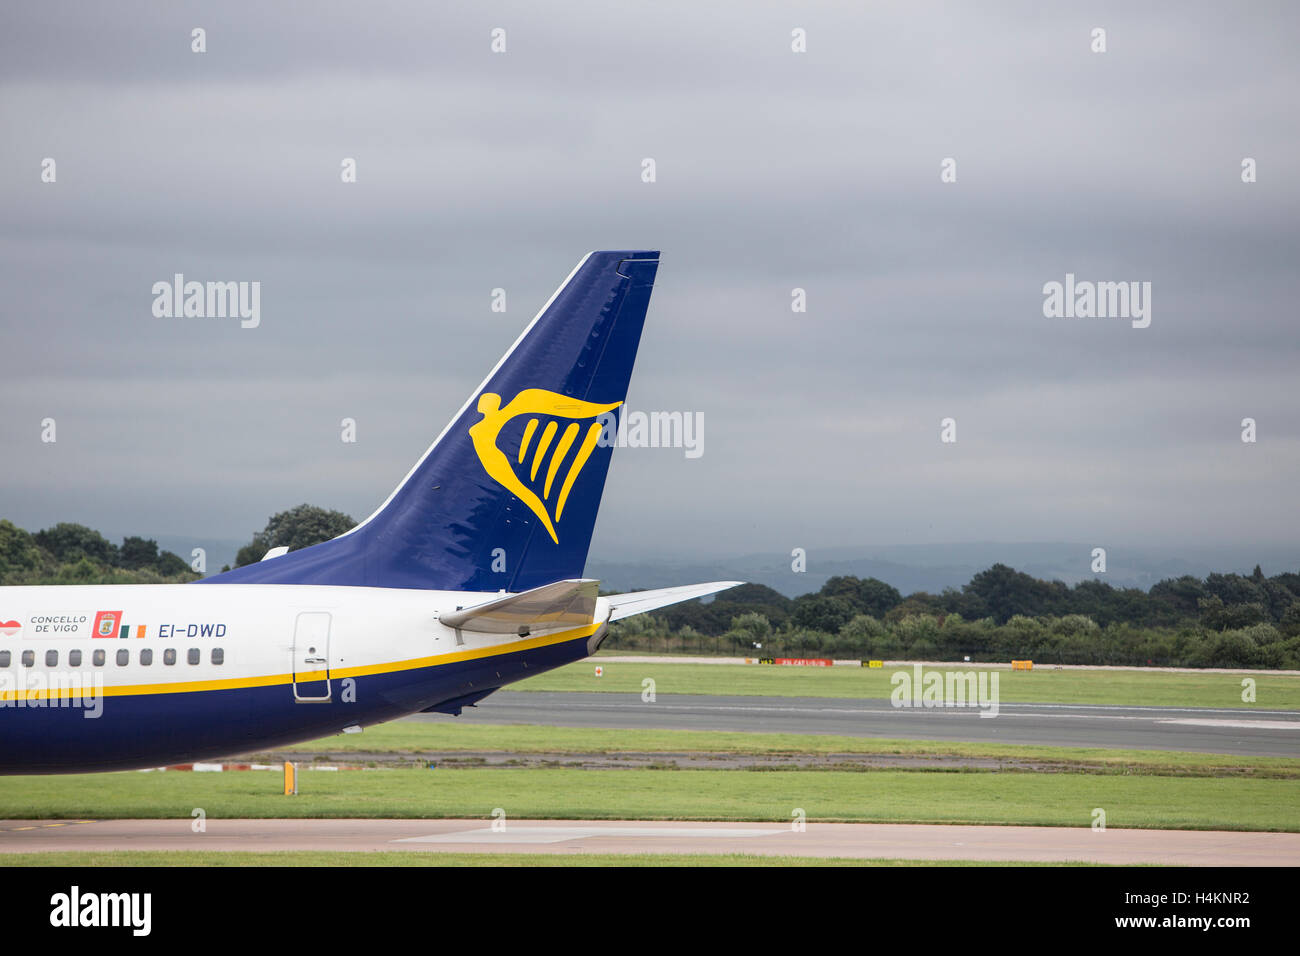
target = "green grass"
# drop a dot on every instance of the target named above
(424, 736)
(1134, 688)
(1060, 799)
(387, 858)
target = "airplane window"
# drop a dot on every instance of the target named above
(29, 658)
(4, 658)
(169, 656)
(51, 658)
(123, 657)
(146, 657)
(98, 658)
(74, 658)
(192, 655)
(218, 655)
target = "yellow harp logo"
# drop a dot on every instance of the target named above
(536, 402)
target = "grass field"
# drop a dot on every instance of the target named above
(1062, 799)
(417, 737)
(990, 783)
(426, 858)
(1133, 688)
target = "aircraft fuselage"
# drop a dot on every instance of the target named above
(125, 677)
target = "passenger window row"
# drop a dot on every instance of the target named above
(99, 657)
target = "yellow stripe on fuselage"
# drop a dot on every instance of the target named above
(368, 670)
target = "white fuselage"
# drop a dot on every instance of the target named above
(272, 663)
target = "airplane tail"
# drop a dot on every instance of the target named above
(506, 497)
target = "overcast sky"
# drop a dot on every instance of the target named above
(775, 170)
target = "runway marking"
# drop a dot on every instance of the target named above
(65, 823)
(1243, 724)
(518, 834)
(1152, 715)
(670, 701)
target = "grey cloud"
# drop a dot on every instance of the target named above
(775, 171)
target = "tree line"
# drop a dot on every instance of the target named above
(1222, 620)
(74, 554)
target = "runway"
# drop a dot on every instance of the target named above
(1237, 732)
(853, 840)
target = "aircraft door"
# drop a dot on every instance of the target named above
(311, 657)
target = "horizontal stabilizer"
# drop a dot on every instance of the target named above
(638, 602)
(557, 606)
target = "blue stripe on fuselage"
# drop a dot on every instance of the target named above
(154, 730)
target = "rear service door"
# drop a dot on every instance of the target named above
(311, 657)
